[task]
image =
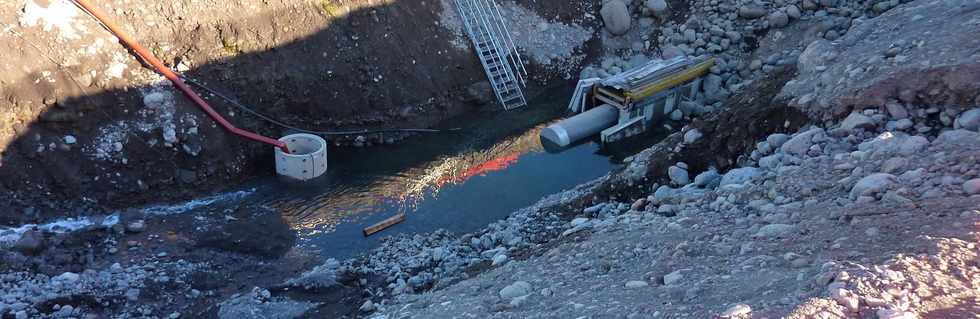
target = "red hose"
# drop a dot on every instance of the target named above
(170, 75)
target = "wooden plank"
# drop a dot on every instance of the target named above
(384, 224)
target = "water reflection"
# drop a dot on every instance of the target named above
(350, 192)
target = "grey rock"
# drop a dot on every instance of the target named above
(367, 306)
(739, 176)
(793, 12)
(751, 11)
(517, 289)
(778, 19)
(616, 17)
(871, 184)
(676, 115)
(903, 124)
(658, 7)
(692, 136)
(136, 226)
(857, 121)
(708, 179)
(633, 284)
(894, 164)
(957, 137)
(896, 110)
(774, 230)
(674, 277)
(777, 140)
(244, 306)
(969, 120)
(800, 143)
(814, 56)
(972, 186)
(30, 243)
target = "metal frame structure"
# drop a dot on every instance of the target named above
(496, 50)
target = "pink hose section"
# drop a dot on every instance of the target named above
(170, 75)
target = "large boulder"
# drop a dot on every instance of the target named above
(657, 7)
(616, 17)
(969, 120)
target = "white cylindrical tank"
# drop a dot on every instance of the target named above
(307, 157)
(577, 127)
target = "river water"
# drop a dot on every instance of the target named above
(459, 181)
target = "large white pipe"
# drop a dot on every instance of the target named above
(307, 158)
(575, 128)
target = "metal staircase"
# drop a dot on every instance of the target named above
(496, 50)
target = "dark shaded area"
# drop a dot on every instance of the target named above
(255, 231)
(378, 67)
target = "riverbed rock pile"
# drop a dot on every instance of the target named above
(38, 295)
(729, 31)
(845, 222)
(921, 55)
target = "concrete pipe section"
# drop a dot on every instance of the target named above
(307, 158)
(562, 134)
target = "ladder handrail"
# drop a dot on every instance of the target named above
(476, 46)
(509, 38)
(500, 59)
(501, 30)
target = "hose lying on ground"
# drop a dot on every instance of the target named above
(249, 110)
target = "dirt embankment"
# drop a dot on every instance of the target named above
(82, 122)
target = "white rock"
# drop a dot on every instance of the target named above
(632, 284)
(658, 7)
(616, 17)
(692, 136)
(737, 311)
(894, 314)
(873, 183)
(70, 139)
(517, 289)
(972, 186)
(499, 259)
(846, 298)
(678, 175)
(367, 306)
(579, 221)
(67, 277)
